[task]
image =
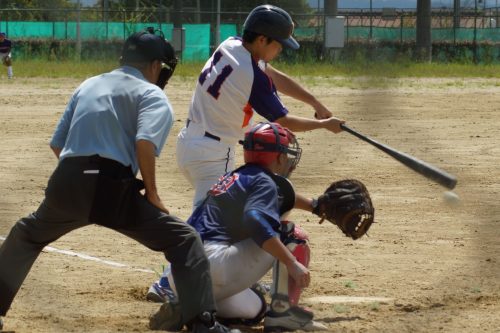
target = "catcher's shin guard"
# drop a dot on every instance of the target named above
(284, 289)
(284, 314)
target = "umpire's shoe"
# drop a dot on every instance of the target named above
(293, 319)
(206, 323)
(167, 318)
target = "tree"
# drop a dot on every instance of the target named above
(36, 10)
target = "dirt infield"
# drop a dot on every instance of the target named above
(426, 267)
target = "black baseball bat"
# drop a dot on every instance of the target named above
(425, 169)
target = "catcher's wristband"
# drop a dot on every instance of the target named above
(315, 209)
(314, 205)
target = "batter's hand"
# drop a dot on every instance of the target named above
(333, 124)
(321, 112)
(299, 273)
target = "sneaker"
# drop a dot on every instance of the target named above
(160, 294)
(206, 323)
(293, 319)
(167, 318)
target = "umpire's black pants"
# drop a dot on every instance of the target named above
(75, 197)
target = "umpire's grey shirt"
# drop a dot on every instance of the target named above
(122, 102)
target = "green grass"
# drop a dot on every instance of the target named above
(393, 70)
(83, 69)
(341, 308)
(349, 284)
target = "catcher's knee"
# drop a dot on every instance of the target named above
(248, 321)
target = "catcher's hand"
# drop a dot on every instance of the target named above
(347, 204)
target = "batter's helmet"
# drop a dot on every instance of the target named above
(273, 22)
(265, 141)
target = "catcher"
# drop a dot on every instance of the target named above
(5, 54)
(244, 236)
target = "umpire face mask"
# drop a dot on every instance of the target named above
(167, 69)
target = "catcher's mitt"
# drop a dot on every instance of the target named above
(347, 204)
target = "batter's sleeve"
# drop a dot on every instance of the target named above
(264, 97)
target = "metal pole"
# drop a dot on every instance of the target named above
(496, 9)
(78, 35)
(106, 18)
(217, 28)
(475, 31)
(371, 19)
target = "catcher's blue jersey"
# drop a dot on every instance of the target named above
(243, 204)
(5, 46)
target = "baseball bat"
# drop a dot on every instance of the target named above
(425, 169)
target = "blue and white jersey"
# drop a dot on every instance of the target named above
(5, 46)
(231, 86)
(243, 204)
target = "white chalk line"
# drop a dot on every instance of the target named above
(91, 258)
(348, 299)
(318, 299)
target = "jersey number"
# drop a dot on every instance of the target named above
(214, 88)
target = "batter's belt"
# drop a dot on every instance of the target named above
(207, 134)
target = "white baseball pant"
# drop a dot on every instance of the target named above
(202, 159)
(234, 268)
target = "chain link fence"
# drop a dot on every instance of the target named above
(385, 27)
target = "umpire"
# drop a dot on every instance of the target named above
(114, 125)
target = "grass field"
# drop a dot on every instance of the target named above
(83, 69)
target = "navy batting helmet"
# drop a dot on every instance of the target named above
(273, 22)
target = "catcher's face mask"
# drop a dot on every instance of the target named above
(293, 153)
(266, 142)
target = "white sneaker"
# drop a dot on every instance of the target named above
(159, 294)
(293, 319)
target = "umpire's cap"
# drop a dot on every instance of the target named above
(145, 47)
(274, 22)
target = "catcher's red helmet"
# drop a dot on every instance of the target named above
(265, 141)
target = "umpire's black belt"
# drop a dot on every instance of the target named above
(106, 166)
(207, 134)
